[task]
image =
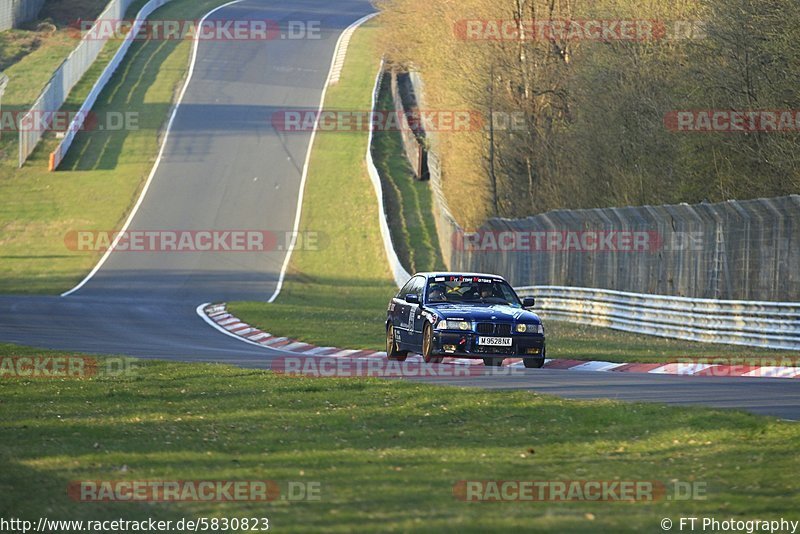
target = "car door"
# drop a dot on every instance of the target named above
(415, 315)
(401, 313)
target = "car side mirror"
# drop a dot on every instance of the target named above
(528, 302)
(411, 298)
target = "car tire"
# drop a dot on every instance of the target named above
(533, 363)
(493, 362)
(427, 345)
(392, 352)
(536, 363)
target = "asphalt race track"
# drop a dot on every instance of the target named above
(225, 167)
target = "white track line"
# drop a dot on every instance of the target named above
(316, 351)
(300, 194)
(593, 366)
(259, 336)
(296, 345)
(158, 159)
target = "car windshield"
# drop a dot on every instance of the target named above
(470, 289)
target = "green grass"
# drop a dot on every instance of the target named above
(102, 174)
(408, 202)
(582, 342)
(386, 453)
(33, 55)
(29, 58)
(32, 51)
(17, 44)
(63, 12)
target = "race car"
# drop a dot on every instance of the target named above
(463, 315)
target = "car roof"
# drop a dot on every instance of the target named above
(456, 273)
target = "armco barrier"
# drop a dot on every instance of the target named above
(734, 250)
(77, 123)
(66, 76)
(774, 325)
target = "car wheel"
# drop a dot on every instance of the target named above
(392, 352)
(493, 362)
(536, 363)
(533, 363)
(427, 346)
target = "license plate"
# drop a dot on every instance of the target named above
(495, 341)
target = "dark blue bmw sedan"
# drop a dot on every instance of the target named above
(463, 315)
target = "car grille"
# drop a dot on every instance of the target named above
(501, 329)
(485, 328)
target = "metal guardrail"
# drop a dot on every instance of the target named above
(66, 76)
(774, 325)
(77, 123)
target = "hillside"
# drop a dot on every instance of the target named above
(596, 114)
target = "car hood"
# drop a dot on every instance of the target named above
(484, 312)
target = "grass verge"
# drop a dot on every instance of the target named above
(582, 342)
(35, 53)
(32, 51)
(385, 453)
(103, 173)
(337, 295)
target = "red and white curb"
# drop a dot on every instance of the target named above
(218, 316)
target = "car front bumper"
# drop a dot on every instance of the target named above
(465, 345)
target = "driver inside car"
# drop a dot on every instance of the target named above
(437, 294)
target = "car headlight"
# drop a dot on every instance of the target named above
(523, 328)
(452, 325)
